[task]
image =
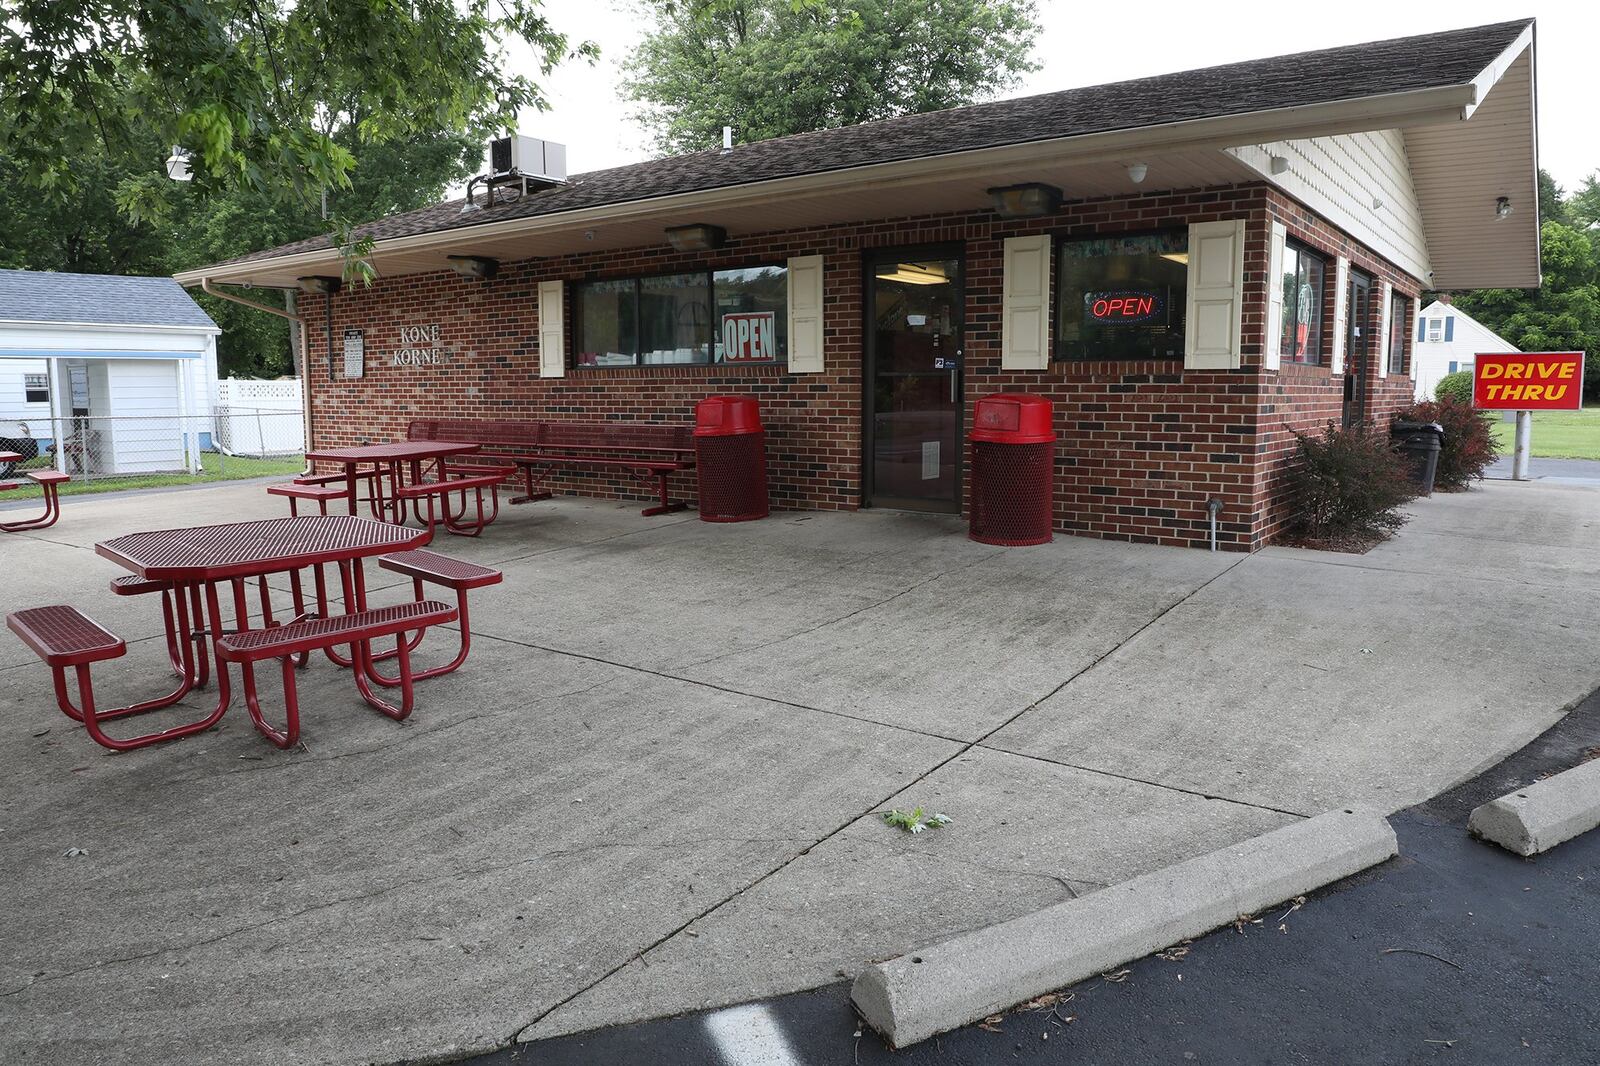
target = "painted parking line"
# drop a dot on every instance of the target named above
(750, 1036)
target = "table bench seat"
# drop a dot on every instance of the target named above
(296, 491)
(65, 636)
(285, 642)
(49, 481)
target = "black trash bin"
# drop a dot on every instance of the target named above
(1419, 442)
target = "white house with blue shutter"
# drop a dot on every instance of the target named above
(1448, 340)
(110, 374)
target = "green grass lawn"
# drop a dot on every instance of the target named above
(214, 467)
(1558, 434)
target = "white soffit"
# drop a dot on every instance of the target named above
(1460, 169)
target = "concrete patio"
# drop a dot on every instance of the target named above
(655, 785)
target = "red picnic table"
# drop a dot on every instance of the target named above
(48, 480)
(402, 464)
(194, 562)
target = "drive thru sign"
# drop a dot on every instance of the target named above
(1528, 381)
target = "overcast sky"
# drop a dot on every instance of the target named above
(1078, 48)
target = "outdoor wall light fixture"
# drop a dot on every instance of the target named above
(474, 266)
(178, 165)
(1277, 164)
(318, 283)
(1502, 208)
(1025, 201)
(1137, 172)
(696, 237)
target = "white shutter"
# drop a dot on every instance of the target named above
(805, 314)
(552, 337)
(1216, 290)
(1272, 353)
(1025, 304)
(1385, 317)
(1341, 312)
(1416, 316)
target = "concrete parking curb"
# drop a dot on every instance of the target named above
(1544, 814)
(971, 976)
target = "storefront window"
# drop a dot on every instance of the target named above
(1123, 297)
(1304, 273)
(724, 316)
(1398, 305)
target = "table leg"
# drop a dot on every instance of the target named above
(355, 591)
(350, 485)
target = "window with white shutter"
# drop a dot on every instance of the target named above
(1215, 315)
(552, 332)
(1025, 304)
(805, 315)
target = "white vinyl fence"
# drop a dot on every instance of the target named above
(250, 418)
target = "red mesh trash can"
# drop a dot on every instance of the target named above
(1013, 470)
(730, 456)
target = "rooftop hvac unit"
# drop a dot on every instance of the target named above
(528, 157)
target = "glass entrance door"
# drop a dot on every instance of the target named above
(914, 381)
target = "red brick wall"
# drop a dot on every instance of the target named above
(1305, 398)
(1143, 445)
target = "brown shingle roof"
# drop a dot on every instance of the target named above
(1404, 64)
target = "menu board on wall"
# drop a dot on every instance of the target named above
(355, 353)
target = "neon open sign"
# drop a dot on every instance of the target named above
(1122, 308)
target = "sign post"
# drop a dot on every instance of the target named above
(1526, 382)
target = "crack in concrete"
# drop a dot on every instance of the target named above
(965, 746)
(413, 882)
(1197, 793)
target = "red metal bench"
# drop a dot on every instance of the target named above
(66, 638)
(644, 450)
(47, 480)
(288, 641)
(322, 494)
(422, 565)
(460, 479)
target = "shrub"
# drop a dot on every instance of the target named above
(1468, 446)
(1457, 387)
(1349, 485)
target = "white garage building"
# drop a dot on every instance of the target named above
(115, 375)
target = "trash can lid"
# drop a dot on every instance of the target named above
(1403, 426)
(1012, 418)
(727, 416)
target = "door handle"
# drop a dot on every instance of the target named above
(955, 368)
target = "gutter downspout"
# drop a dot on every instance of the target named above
(305, 374)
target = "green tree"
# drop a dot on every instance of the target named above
(775, 67)
(1562, 315)
(259, 90)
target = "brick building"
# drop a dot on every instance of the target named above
(1190, 266)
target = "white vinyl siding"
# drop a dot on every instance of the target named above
(1216, 295)
(805, 315)
(1340, 176)
(1025, 304)
(552, 332)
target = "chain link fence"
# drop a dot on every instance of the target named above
(129, 451)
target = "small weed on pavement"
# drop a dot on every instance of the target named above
(915, 821)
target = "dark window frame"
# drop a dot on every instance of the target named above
(713, 336)
(1316, 355)
(1399, 331)
(1058, 340)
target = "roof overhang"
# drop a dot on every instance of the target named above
(1460, 169)
(1180, 155)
